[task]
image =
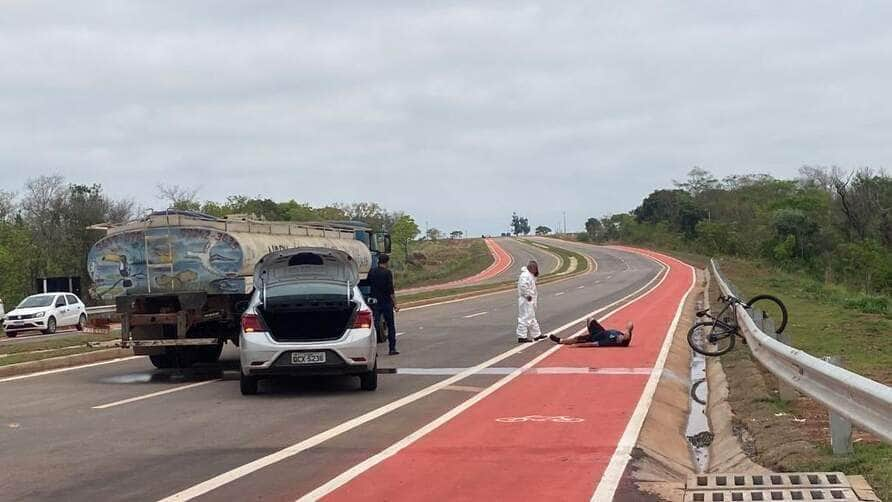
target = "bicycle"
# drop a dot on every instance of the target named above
(723, 329)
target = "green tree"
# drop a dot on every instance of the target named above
(404, 229)
(698, 181)
(595, 229)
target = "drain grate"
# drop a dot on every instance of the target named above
(806, 486)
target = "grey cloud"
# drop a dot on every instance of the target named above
(457, 112)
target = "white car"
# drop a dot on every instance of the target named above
(45, 312)
(307, 317)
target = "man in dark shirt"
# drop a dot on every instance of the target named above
(598, 336)
(381, 283)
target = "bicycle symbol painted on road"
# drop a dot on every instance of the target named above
(540, 418)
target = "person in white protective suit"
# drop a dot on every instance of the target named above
(527, 298)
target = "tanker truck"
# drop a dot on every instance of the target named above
(180, 280)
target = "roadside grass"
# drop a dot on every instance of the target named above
(871, 460)
(436, 262)
(824, 320)
(22, 357)
(56, 343)
(45, 348)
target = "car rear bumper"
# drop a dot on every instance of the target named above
(352, 354)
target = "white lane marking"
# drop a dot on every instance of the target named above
(70, 368)
(559, 294)
(464, 388)
(358, 469)
(153, 394)
(290, 451)
(478, 314)
(612, 475)
(581, 287)
(400, 333)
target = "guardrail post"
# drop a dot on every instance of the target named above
(840, 427)
(786, 392)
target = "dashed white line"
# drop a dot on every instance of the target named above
(559, 294)
(153, 394)
(581, 287)
(478, 314)
(400, 333)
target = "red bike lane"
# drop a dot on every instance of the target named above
(548, 434)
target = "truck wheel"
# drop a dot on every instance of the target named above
(11, 334)
(248, 385)
(161, 361)
(369, 379)
(81, 322)
(50, 326)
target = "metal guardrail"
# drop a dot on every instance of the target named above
(864, 402)
(101, 309)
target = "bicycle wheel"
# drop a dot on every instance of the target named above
(711, 339)
(769, 307)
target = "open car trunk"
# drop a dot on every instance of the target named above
(298, 318)
(307, 293)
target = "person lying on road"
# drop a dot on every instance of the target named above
(597, 336)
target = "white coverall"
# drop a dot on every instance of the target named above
(527, 325)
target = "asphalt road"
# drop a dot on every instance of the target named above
(54, 443)
(522, 254)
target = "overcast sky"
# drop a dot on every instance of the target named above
(457, 112)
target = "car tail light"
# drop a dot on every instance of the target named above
(363, 319)
(252, 323)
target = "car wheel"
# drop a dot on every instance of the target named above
(11, 335)
(248, 385)
(81, 322)
(50, 326)
(369, 379)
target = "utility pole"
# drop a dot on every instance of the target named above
(565, 221)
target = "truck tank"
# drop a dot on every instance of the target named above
(181, 251)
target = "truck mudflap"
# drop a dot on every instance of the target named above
(169, 342)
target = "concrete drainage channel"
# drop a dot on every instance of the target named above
(697, 429)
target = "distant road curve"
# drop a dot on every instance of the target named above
(502, 261)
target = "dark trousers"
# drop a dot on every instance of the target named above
(385, 311)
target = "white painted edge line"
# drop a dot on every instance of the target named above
(478, 314)
(367, 464)
(290, 451)
(154, 394)
(393, 449)
(613, 473)
(70, 368)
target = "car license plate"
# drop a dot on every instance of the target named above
(307, 357)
